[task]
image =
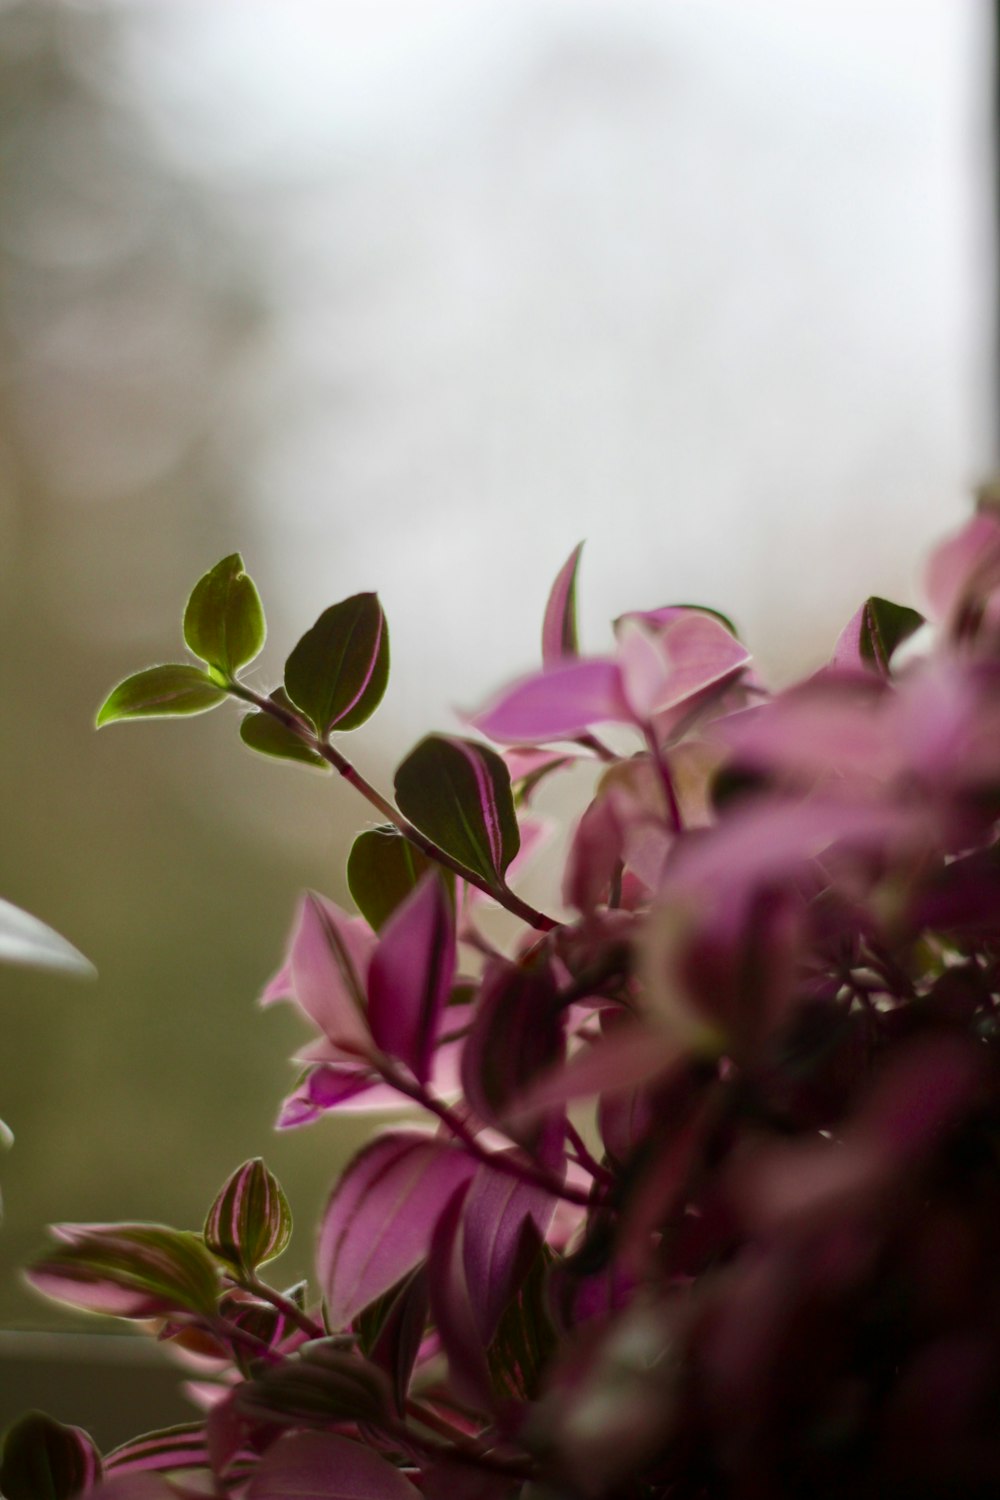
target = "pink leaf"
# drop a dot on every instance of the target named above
(556, 704)
(410, 976)
(326, 970)
(496, 1209)
(687, 655)
(333, 1086)
(324, 1466)
(965, 565)
(381, 1215)
(559, 639)
(452, 1306)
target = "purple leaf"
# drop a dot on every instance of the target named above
(559, 634)
(323, 1466)
(452, 1307)
(870, 637)
(333, 1086)
(495, 1211)
(517, 1034)
(964, 566)
(326, 970)
(557, 704)
(378, 1223)
(410, 976)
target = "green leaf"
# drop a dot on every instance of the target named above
(45, 1460)
(270, 737)
(884, 627)
(458, 793)
(382, 869)
(250, 1221)
(338, 672)
(26, 940)
(525, 1339)
(224, 619)
(160, 692)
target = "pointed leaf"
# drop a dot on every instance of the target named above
(452, 1307)
(556, 704)
(224, 620)
(128, 1270)
(268, 735)
(516, 1035)
(381, 1215)
(458, 793)
(170, 1448)
(559, 633)
(324, 1466)
(45, 1460)
(160, 692)
(872, 635)
(383, 868)
(497, 1252)
(338, 672)
(26, 940)
(250, 1221)
(393, 1338)
(326, 972)
(410, 976)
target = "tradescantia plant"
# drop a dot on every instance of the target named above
(697, 1194)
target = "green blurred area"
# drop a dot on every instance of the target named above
(165, 851)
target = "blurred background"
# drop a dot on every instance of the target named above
(413, 295)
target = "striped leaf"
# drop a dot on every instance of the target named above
(458, 793)
(338, 672)
(559, 634)
(410, 976)
(128, 1270)
(250, 1221)
(383, 868)
(181, 1447)
(45, 1460)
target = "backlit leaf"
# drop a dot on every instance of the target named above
(268, 735)
(128, 1270)
(383, 868)
(410, 976)
(872, 635)
(458, 793)
(559, 633)
(180, 1447)
(250, 1221)
(45, 1460)
(160, 692)
(338, 672)
(224, 620)
(26, 940)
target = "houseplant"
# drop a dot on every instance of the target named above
(699, 1191)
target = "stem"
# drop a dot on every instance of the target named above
(666, 781)
(284, 1305)
(503, 894)
(586, 1159)
(523, 1171)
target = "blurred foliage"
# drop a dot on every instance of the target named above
(170, 859)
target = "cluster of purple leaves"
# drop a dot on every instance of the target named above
(695, 1191)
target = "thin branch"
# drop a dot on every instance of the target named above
(333, 757)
